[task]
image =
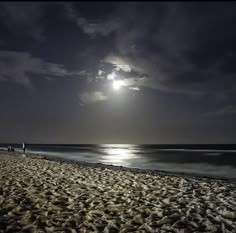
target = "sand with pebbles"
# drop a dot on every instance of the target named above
(39, 195)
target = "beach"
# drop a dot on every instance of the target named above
(42, 195)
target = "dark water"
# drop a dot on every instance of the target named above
(210, 160)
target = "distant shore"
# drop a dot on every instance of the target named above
(39, 193)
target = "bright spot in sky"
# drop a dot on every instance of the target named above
(117, 84)
(111, 76)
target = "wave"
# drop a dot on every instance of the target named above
(223, 171)
(199, 150)
(211, 162)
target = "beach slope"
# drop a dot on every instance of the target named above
(40, 195)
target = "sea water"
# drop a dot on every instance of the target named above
(207, 160)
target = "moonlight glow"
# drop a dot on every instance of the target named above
(117, 84)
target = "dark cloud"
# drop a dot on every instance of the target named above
(176, 58)
(23, 19)
(95, 27)
(19, 66)
(183, 49)
(229, 110)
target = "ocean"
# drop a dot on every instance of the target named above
(217, 161)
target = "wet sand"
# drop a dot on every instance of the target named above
(41, 195)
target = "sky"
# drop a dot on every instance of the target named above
(119, 72)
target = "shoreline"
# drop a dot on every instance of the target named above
(47, 195)
(122, 168)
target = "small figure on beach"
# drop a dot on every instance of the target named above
(23, 147)
(11, 149)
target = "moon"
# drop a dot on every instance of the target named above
(117, 84)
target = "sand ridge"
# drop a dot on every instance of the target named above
(39, 195)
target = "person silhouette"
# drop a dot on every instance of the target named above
(23, 147)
